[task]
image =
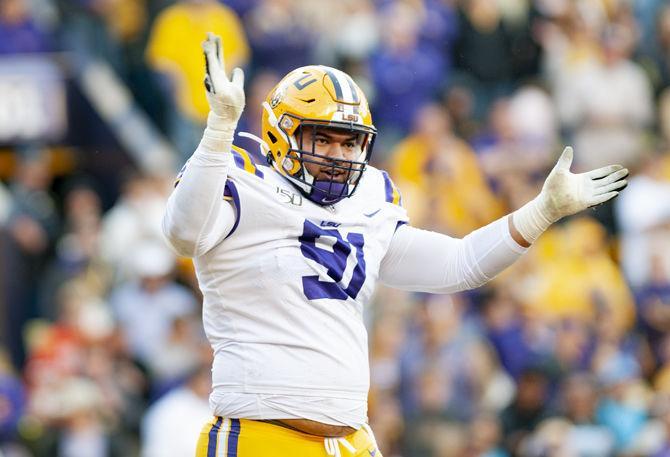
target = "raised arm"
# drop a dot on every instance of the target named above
(420, 260)
(197, 215)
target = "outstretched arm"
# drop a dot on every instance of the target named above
(197, 216)
(420, 260)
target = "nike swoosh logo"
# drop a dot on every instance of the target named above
(372, 453)
(372, 214)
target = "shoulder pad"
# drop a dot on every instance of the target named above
(390, 190)
(243, 161)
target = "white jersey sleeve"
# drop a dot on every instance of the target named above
(424, 261)
(200, 212)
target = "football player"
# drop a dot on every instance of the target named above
(288, 255)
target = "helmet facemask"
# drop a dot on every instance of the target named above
(300, 155)
(314, 99)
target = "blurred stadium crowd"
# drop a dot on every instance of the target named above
(565, 354)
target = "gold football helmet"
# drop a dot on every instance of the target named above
(316, 97)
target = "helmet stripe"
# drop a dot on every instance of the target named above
(336, 84)
(354, 93)
(345, 92)
(347, 97)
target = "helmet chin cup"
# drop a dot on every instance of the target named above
(328, 192)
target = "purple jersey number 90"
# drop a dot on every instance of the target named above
(335, 261)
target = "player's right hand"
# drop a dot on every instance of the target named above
(225, 96)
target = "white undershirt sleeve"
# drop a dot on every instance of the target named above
(198, 217)
(423, 261)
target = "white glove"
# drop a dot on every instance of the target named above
(565, 193)
(225, 97)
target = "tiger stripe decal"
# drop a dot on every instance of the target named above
(391, 191)
(244, 162)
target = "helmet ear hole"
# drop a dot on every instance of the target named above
(272, 137)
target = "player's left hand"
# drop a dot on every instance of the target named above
(565, 193)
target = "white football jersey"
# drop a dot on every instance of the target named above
(284, 294)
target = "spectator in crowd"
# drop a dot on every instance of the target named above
(594, 103)
(624, 408)
(648, 15)
(484, 435)
(171, 425)
(657, 441)
(442, 183)
(509, 331)
(5, 204)
(518, 142)
(437, 376)
(459, 101)
(86, 32)
(12, 403)
(483, 53)
(550, 438)
(596, 287)
(76, 257)
(653, 300)
(279, 35)
(82, 433)
(19, 32)
(439, 26)
(147, 306)
(405, 72)
(349, 31)
(580, 402)
(134, 218)
(528, 409)
(644, 217)
(84, 394)
(180, 354)
(175, 33)
(29, 233)
(388, 338)
(655, 41)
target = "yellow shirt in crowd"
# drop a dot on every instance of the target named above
(576, 278)
(174, 43)
(443, 186)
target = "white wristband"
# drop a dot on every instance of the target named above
(531, 220)
(219, 133)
